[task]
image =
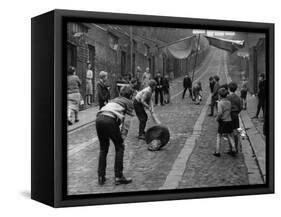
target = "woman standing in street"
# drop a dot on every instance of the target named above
(89, 85)
(73, 95)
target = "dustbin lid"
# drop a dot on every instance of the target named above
(158, 132)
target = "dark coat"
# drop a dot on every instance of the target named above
(187, 83)
(159, 82)
(103, 92)
(212, 84)
(166, 84)
(261, 91)
(215, 95)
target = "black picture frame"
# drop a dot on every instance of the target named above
(48, 163)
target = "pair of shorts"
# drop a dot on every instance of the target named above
(235, 121)
(243, 94)
(225, 127)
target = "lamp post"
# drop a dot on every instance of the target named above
(131, 50)
(195, 61)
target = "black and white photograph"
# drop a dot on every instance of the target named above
(146, 108)
(155, 108)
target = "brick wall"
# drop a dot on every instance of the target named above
(108, 57)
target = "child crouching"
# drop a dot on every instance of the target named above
(197, 93)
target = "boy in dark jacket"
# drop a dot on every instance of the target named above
(261, 95)
(159, 88)
(236, 107)
(224, 123)
(187, 84)
(212, 84)
(215, 95)
(103, 89)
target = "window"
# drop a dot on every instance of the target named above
(135, 44)
(71, 55)
(146, 51)
(113, 41)
(75, 28)
(123, 62)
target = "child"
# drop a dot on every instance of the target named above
(159, 89)
(187, 84)
(225, 123)
(243, 92)
(103, 89)
(215, 94)
(73, 94)
(143, 100)
(211, 83)
(166, 89)
(236, 107)
(196, 92)
(108, 122)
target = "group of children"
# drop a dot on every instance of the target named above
(228, 105)
(111, 119)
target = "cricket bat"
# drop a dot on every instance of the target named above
(154, 117)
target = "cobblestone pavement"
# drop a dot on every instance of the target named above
(149, 170)
(252, 102)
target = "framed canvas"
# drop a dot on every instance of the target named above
(133, 108)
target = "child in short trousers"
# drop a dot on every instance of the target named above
(225, 122)
(236, 107)
(244, 92)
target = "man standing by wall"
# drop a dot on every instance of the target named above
(261, 95)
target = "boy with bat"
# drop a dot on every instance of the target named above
(142, 101)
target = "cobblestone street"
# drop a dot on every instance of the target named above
(187, 160)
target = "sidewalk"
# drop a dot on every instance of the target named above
(85, 117)
(254, 130)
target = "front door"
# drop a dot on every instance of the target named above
(123, 63)
(71, 55)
